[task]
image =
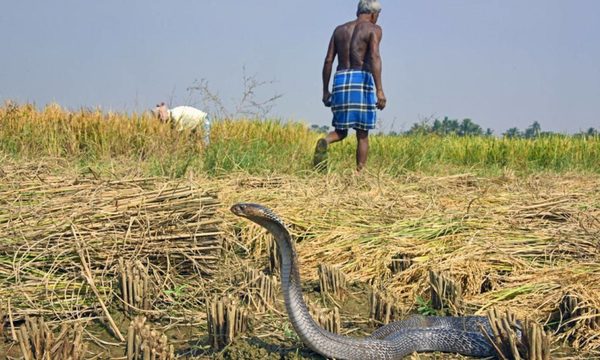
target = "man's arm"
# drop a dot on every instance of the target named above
(327, 67)
(374, 41)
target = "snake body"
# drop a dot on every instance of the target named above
(463, 335)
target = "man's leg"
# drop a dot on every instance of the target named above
(336, 135)
(320, 158)
(362, 149)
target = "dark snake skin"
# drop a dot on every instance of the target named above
(463, 335)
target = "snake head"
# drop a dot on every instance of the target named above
(267, 219)
(255, 212)
(247, 210)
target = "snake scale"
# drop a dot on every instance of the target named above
(463, 335)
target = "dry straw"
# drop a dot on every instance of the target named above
(528, 244)
(63, 240)
(506, 242)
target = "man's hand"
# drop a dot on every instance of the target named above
(381, 100)
(327, 98)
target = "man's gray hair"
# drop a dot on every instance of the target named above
(368, 7)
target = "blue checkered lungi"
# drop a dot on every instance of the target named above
(353, 100)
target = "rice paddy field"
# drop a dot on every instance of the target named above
(116, 239)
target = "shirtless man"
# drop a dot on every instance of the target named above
(357, 91)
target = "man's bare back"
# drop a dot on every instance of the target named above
(342, 38)
(364, 46)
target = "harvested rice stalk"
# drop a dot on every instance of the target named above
(329, 319)
(256, 182)
(383, 307)
(87, 274)
(549, 210)
(332, 281)
(12, 323)
(145, 343)
(226, 320)
(399, 263)
(261, 289)
(137, 288)
(273, 255)
(446, 295)
(38, 342)
(578, 318)
(515, 340)
(56, 295)
(2, 315)
(173, 225)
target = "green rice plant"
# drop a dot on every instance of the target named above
(256, 146)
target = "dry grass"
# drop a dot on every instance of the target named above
(63, 239)
(512, 243)
(518, 243)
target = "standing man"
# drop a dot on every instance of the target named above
(357, 91)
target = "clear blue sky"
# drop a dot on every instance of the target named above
(502, 63)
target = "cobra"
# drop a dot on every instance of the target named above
(464, 335)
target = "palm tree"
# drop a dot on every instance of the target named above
(533, 131)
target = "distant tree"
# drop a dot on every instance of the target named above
(489, 132)
(445, 127)
(592, 132)
(393, 133)
(533, 130)
(448, 126)
(320, 129)
(437, 127)
(469, 128)
(513, 133)
(420, 128)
